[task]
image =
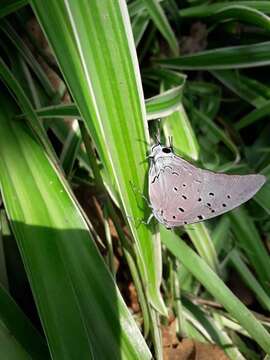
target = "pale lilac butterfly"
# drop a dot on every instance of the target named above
(182, 194)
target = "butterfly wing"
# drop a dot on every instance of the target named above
(183, 194)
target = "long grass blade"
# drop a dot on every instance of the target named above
(234, 57)
(216, 287)
(94, 46)
(160, 20)
(78, 302)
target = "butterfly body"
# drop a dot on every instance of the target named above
(181, 194)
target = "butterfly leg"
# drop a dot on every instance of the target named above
(141, 221)
(149, 219)
(141, 194)
(147, 222)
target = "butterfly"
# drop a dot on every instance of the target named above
(181, 193)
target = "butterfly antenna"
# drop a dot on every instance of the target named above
(157, 137)
(171, 142)
(136, 190)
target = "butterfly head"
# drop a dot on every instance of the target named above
(159, 150)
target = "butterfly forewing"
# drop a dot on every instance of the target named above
(181, 193)
(173, 189)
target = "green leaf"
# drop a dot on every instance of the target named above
(11, 82)
(28, 56)
(220, 134)
(249, 278)
(25, 341)
(4, 281)
(9, 6)
(243, 56)
(211, 9)
(164, 104)
(235, 82)
(177, 123)
(139, 25)
(57, 111)
(221, 233)
(263, 196)
(212, 329)
(253, 116)
(167, 77)
(203, 243)
(245, 14)
(178, 126)
(160, 20)
(158, 106)
(209, 279)
(94, 46)
(136, 7)
(78, 302)
(70, 149)
(209, 94)
(249, 240)
(239, 12)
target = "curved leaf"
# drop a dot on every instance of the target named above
(244, 56)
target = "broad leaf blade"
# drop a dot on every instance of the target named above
(78, 301)
(25, 341)
(94, 46)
